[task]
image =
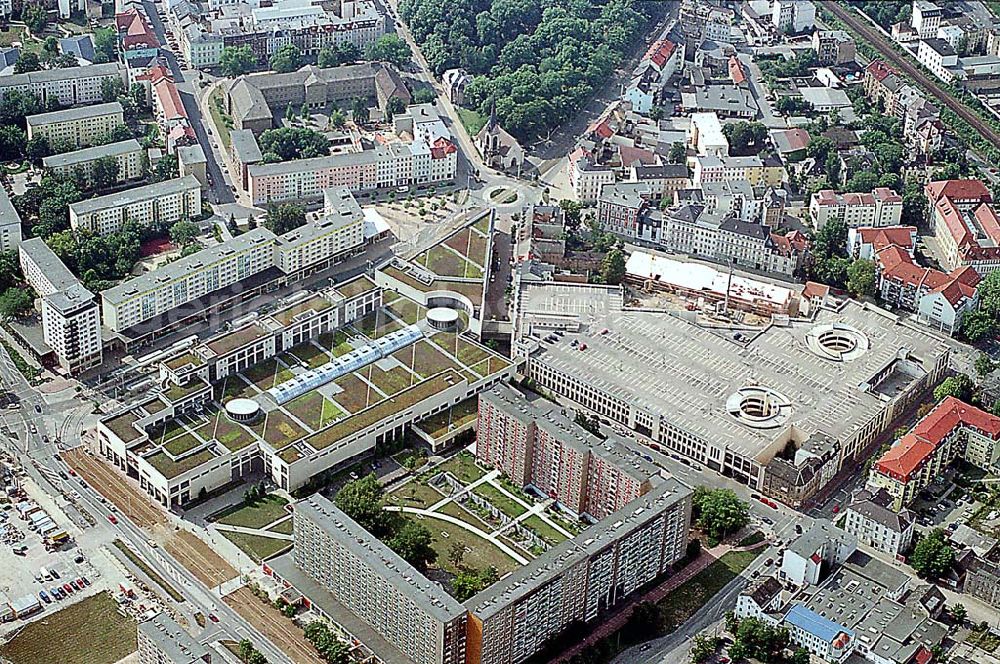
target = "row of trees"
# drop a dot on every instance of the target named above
(249, 654)
(288, 143)
(239, 60)
(363, 500)
(539, 60)
(329, 647)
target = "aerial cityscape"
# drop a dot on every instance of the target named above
(500, 332)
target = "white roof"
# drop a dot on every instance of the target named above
(709, 128)
(698, 277)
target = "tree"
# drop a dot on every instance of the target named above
(105, 45)
(184, 232)
(111, 89)
(362, 500)
(288, 143)
(26, 62)
(468, 583)
(958, 613)
(12, 140)
(456, 552)
(330, 648)
(286, 59)
(35, 17)
(412, 542)
(861, 278)
(38, 148)
(719, 512)
(799, 656)
(15, 302)
(104, 172)
(703, 647)
(958, 386)
(390, 48)
(613, 267)
(16, 105)
(327, 57)
(394, 105)
(166, 168)
(745, 137)
(756, 639)
(984, 365)
(359, 110)
(237, 60)
(677, 154)
(337, 119)
(424, 96)
(932, 557)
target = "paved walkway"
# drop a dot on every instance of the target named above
(252, 531)
(468, 488)
(465, 526)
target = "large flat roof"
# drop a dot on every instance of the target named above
(170, 271)
(90, 154)
(686, 373)
(74, 113)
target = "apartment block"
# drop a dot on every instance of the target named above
(254, 258)
(162, 641)
(10, 223)
(882, 207)
(536, 445)
(356, 580)
(587, 177)
(71, 86)
(167, 201)
(413, 614)
(952, 430)
(575, 582)
(79, 127)
(127, 155)
(71, 325)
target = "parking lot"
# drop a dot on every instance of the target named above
(68, 574)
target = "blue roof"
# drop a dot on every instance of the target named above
(808, 620)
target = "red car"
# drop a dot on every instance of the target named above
(113, 519)
(836, 508)
(68, 588)
(214, 618)
(72, 472)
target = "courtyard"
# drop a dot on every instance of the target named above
(496, 524)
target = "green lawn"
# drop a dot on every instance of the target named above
(482, 554)
(501, 501)
(471, 120)
(463, 467)
(544, 530)
(285, 527)
(148, 571)
(258, 515)
(256, 546)
(88, 632)
(414, 494)
(695, 593)
(223, 122)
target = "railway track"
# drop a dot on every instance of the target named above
(903, 64)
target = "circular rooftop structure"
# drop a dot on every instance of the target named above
(837, 341)
(242, 410)
(442, 318)
(759, 407)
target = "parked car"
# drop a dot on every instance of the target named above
(44, 596)
(81, 581)
(54, 573)
(214, 618)
(113, 519)
(57, 592)
(68, 588)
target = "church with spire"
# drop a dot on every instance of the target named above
(498, 148)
